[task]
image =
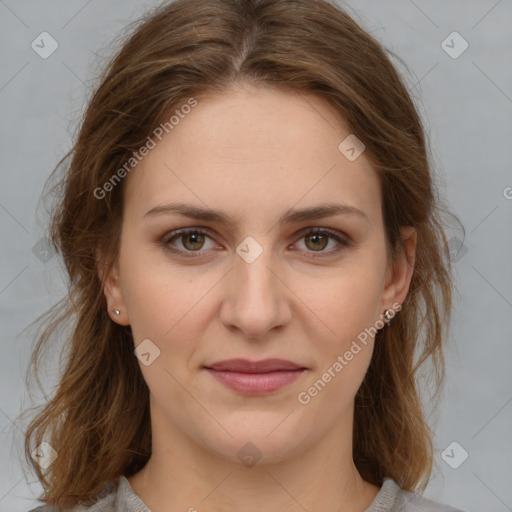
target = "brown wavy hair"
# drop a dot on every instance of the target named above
(98, 418)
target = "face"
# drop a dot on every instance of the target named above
(227, 253)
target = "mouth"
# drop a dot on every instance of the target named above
(255, 377)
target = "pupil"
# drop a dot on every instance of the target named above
(316, 238)
(196, 241)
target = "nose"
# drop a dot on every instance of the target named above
(256, 299)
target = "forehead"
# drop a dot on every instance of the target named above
(254, 150)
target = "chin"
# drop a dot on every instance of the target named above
(260, 439)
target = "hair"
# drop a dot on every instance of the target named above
(98, 418)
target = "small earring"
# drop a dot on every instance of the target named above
(388, 315)
(116, 312)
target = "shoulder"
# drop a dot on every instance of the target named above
(411, 502)
(391, 498)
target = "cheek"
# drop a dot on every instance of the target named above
(347, 307)
(343, 343)
(164, 303)
(345, 303)
(148, 289)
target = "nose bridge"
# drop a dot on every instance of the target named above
(256, 300)
(255, 278)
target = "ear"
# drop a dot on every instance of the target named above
(400, 270)
(112, 290)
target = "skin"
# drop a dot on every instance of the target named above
(254, 153)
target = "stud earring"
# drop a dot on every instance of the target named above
(388, 315)
(116, 312)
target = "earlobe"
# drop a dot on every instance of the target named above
(109, 277)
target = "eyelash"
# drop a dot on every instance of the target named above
(176, 234)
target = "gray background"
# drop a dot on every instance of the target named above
(466, 103)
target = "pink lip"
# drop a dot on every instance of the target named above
(255, 377)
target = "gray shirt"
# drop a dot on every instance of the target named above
(118, 496)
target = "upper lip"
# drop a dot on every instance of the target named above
(246, 366)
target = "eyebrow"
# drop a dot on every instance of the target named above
(291, 216)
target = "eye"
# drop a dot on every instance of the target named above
(193, 241)
(317, 239)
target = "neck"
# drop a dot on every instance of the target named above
(182, 475)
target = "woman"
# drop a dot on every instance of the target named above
(257, 268)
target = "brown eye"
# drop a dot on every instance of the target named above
(192, 241)
(316, 241)
(188, 242)
(322, 242)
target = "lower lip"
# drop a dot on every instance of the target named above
(256, 383)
